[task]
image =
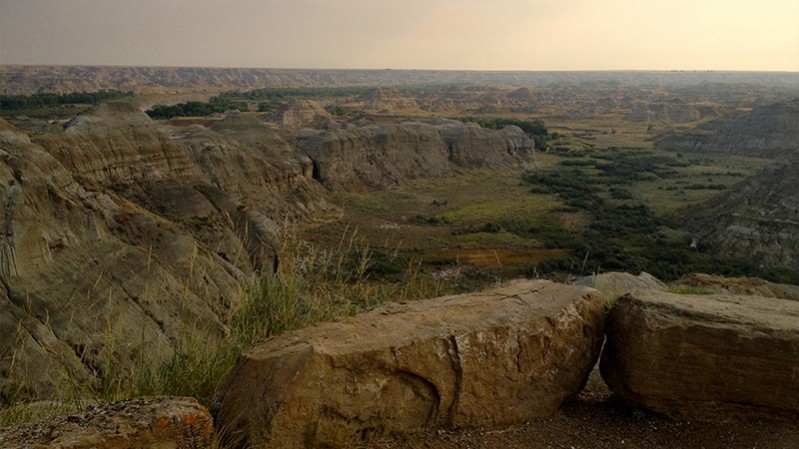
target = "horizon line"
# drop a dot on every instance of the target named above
(387, 69)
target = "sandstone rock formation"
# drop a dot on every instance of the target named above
(765, 131)
(757, 219)
(705, 357)
(386, 100)
(143, 423)
(388, 155)
(301, 113)
(119, 244)
(117, 226)
(484, 359)
(615, 284)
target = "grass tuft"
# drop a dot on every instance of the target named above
(310, 286)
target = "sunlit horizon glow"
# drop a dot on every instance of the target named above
(523, 35)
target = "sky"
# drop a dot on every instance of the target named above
(406, 34)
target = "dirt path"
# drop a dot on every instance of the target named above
(596, 420)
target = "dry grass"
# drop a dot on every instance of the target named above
(312, 285)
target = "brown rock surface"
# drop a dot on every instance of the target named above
(115, 143)
(301, 113)
(615, 284)
(143, 423)
(484, 359)
(705, 357)
(117, 243)
(391, 154)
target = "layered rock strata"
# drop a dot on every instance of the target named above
(379, 156)
(765, 131)
(123, 239)
(704, 357)
(757, 219)
(119, 244)
(494, 358)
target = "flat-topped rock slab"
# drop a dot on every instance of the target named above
(492, 358)
(705, 357)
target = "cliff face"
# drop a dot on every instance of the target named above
(757, 219)
(376, 156)
(765, 131)
(118, 243)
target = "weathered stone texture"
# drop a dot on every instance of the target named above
(379, 156)
(757, 219)
(705, 357)
(764, 131)
(143, 423)
(117, 242)
(484, 359)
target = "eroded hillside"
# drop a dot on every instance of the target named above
(765, 131)
(117, 226)
(758, 218)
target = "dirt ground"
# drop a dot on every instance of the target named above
(596, 419)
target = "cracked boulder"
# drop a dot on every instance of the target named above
(487, 359)
(705, 357)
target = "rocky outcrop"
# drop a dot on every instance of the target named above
(115, 143)
(484, 359)
(757, 219)
(301, 113)
(738, 286)
(386, 100)
(704, 357)
(670, 113)
(118, 244)
(615, 284)
(765, 131)
(143, 423)
(388, 155)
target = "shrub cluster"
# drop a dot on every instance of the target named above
(623, 235)
(196, 108)
(49, 100)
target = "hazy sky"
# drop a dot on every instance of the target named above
(421, 34)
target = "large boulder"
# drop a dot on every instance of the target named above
(144, 423)
(704, 357)
(493, 358)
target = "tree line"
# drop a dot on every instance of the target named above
(196, 108)
(49, 99)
